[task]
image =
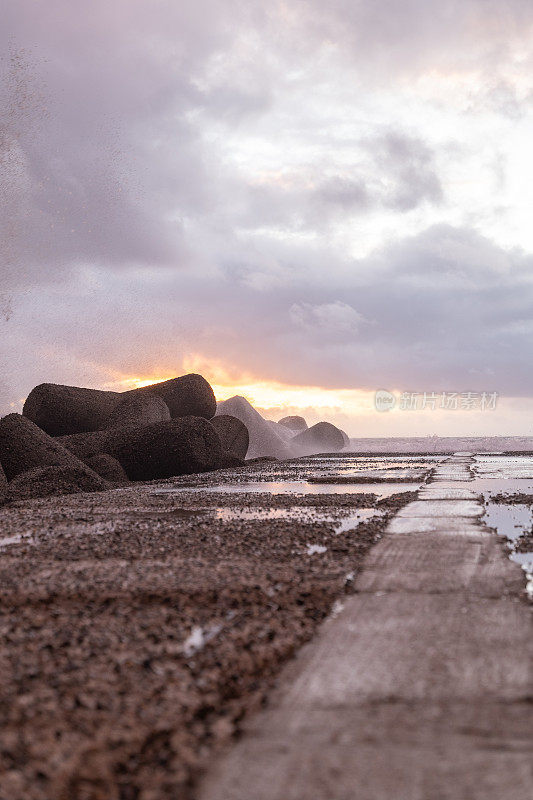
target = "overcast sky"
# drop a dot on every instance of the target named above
(281, 195)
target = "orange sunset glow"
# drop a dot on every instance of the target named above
(268, 395)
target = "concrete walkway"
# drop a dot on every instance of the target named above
(421, 689)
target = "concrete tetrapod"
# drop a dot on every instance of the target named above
(64, 410)
(24, 446)
(160, 450)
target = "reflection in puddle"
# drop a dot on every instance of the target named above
(366, 476)
(512, 521)
(362, 515)
(400, 467)
(509, 476)
(507, 467)
(509, 520)
(498, 485)
(315, 549)
(379, 460)
(7, 540)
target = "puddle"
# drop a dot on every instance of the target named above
(374, 459)
(295, 487)
(198, 638)
(352, 520)
(505, 467)
(508, 476)
(491, 486)
(324, 474)
(315, 549)
(7, 540)
(375, 466)
(367, 476)
(510, 521)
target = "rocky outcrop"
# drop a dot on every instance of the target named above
(160, 450)
(64, 410)
(320, 438)
(24, 446)
(233, 433)
(264, 439)
(51, 481)
(294, 423)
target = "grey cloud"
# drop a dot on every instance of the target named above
(394, 171)
(387, 39)
(347, 193)
(100, 161)
(400, 173)
(384, 323)
(503, 98)
(409, 162)
(336, 321)
(433, 321)
(102, 143)
(111, 161)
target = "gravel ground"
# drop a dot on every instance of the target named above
(139, 628)
(524, 543)
(517, 498)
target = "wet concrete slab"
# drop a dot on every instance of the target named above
(443, 509)
(458, 526)
(418, 751)
(451, 476)
(444, 562)
(432, 493)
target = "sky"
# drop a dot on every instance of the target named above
(306, 202)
